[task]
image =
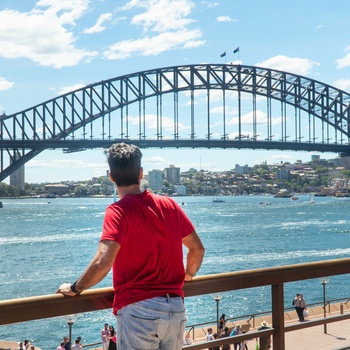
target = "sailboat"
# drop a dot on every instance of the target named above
(312, 198)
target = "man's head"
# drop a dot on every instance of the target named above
(124, 164)
(106, 325)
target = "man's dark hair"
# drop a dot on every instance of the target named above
(124, 164)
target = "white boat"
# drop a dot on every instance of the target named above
(216, 199)
(312, 198)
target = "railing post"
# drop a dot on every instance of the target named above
(278, 316)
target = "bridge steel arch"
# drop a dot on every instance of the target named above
(194, 106)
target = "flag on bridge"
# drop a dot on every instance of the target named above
(236, 50)
(223, 54)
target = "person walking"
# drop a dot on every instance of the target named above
(217, 347)
(236, 331)
(210, 336)
(296, 304)
(224, 335)
(105, 336)
(264, 342)
(142, 239)
(302, 306)
(77, 345)
(112, 339)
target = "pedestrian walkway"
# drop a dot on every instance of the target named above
(314, 338)
(311, 338)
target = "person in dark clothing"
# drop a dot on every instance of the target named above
(216, 336)
(264, 342)
(224, 335)
(222, 322)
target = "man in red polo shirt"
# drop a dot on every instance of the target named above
(142, 239)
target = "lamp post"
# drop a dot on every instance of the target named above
(324, 281)
(70, 319)
(217, 297)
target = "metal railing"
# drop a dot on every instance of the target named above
(32, 308)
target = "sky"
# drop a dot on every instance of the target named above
(50, 47)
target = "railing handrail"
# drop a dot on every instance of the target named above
(32, 308)
(26, 309)
(249, 317)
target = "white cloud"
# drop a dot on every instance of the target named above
(154, 45)
(154, 160)
(282, 156)
(163, 15)
(65, 163)
(345, 61)
(343, 84)
(65, 89)
(165, 25)
(302, 66)
(98, 27)
(40, 35)
(247, 119)
(66, 10)
(151, 121)
(224, 19)
(5, 84)
(213, 4)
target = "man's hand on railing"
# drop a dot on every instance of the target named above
(65, 289)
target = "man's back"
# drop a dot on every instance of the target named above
(149, 229)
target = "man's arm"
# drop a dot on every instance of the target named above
(98, 268)
(195, 254)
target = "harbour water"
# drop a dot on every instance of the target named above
(46, 242)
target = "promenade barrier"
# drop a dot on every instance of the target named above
(32, 308)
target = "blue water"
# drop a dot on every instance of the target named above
(43, 244)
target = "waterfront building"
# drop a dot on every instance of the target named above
(155, 179)
(283, 173)
(57, 189)
(180, 190)
(172, 174)
(241, 169)
(17, 177)
(315, 158)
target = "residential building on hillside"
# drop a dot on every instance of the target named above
(283, 173)
(57, 189)
(180, 190)
(172, 174)
(17, 177)
(241, 169)
(155, 179)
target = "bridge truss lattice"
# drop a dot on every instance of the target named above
(194, 106)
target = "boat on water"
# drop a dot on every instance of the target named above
(265, 203)
(294, 198)
(312, 201)
(282, 193)
(218, 200)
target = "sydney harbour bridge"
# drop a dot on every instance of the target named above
(191, 106)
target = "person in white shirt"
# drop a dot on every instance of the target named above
(77, 345)
(210, 336)
(105, 335)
